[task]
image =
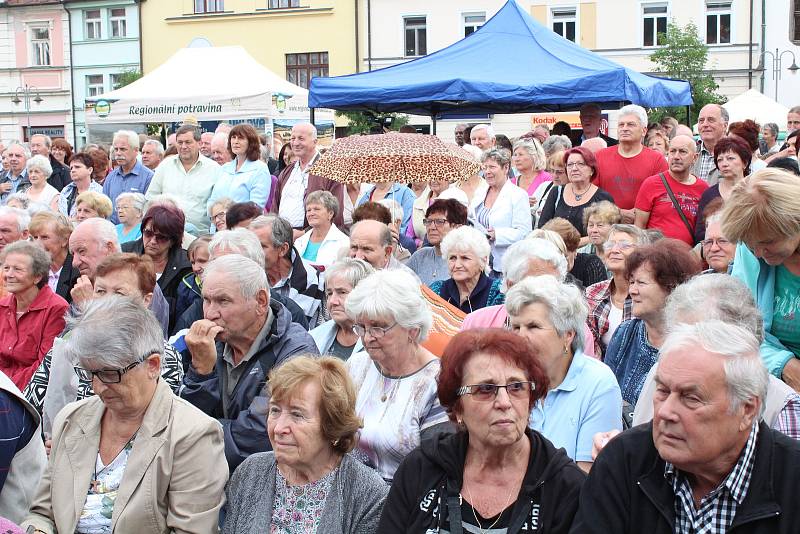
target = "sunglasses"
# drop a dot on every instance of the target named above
(150, 234)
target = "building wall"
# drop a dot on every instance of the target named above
(780, 22)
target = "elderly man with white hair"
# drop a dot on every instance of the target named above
(706, 463)
(16, 177)
(621, 169)
(152, 154)
(129, 174)
(482, 136)
(219, 149)
(14, 224)
(244, 334)
(712, 125)
(59, 177)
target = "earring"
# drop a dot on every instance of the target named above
(335, 442)
(566, 350)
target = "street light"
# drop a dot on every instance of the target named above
(776, 65)
(27, 92)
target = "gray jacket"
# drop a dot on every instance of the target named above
(353, 506)
(244, 415)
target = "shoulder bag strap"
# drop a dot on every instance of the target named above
(675, 203)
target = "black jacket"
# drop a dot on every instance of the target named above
(626, 490)
(433, 473)
(66, 280)
(60, 176)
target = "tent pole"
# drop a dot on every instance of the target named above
(311, 115)
(433, 118)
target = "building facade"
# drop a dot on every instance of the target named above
(781, 35)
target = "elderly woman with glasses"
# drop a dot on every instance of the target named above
(495, 474)
(718, 251)
(217, 212)
(135, 457)
(130, 211)
(598, 220)
(395, 377)
(583, 396)
(443, 216)
(307, 483)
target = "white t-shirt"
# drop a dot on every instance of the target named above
(614, 320)
(293, 194)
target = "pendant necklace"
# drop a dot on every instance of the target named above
(95, 483)
(475, 514)
(578, 197)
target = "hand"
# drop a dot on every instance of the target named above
(201, 343)
(5, 187)
(533, 201)
(600, 440)
(395, 233)
(82, 292)
(48, 444)
(628, 216)
(791, 374)
(490, 235)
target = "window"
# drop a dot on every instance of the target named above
(276, 4)
(114, 79)
(794, 34)
(416, 36)
(40, 45)
(300, 68)
(94, 85)
(92, 24)
(118, 23)
(718, 22)
(473, 22)
(564, 23)
(654, 24)
(209, 6)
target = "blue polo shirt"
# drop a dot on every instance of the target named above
(136, 181)
(588, 401)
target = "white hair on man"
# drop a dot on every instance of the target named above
(239, 241)
(467, 239)
(23, 146)
(745, 374)
(103, 231)
(519, 255)
(637, 111)
(312, 130)
(487, 127)
(131, 136)
(21, 216)
(46, 138)
(157, 146)
(247, 274)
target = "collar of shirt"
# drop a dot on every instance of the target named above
(136, 170)
(571, 379)
(310, 163)
(197, 164)
(227, 353)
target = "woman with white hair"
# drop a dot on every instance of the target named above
(395, 377)
(130, 212)
(583, 396)
(466, 252)
(39, 191)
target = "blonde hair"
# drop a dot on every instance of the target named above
(97, 201)
(549, 235)
(766, 204)
(604, 210)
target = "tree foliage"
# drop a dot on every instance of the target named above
(683, 55)
(127, 77)
(362, 122)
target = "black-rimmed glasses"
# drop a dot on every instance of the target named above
(109, 376)
(485, 392)
(375, 331)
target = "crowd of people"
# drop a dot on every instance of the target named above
(588, 335)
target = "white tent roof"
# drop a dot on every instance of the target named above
(753, 105)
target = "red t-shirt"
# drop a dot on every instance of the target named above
(622, 177)
(653, 198)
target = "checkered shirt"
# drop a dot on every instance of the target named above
(598, 298)
(718, 508)
(788, 420)
(704, 164)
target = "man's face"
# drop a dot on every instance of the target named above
(630, 130)
(219, 151)
(303, 141)
(710, 124)
(272, 254)
(682, 155)
(480, 138)
(87, 251)
(224, 304)
(124, 154)
(691, 405)
(792, 122)
(38, 146)
(590, 122)
(188, 148)
(16, 159)
(205, 143)
(150, 157)
(9, 231)
(365, 245)
(459, 134)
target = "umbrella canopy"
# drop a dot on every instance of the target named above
(395, 157)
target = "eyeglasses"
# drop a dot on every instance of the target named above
(375, 331)
(220, 215)
(438, 223)
(109, 376)
(485, 392)
(150, 234)
(622, 245)
(576, 165)
(721, 242)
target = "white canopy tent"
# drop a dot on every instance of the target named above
(753, 105)
(206, 84)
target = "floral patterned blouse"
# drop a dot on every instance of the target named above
(297, 509)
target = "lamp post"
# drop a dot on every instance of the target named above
(27, 93)
(777, 57)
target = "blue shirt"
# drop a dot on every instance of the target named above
(133, 235)
(587, 401)
(116, 183)
(631, 357)
(400, 194)
(251, 183)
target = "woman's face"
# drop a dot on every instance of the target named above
(123, 282)
(48, 239)
(597, 230)
(730, 165)
(130, 394)
(127, 214)
(498, 421)
(717, 250)
(84, 211)
(386, 348)
(437, 186)
(766, 133)
(318, 215)
(36, 176)
(294, 427)
(58, 153)
(464, 266)
(647, 295)
(775, 250)
(18, 273)
(218, 218)
(657, 143)
(617, 247)
(337, 290)
(239, 146)
(288, 156)
(495, 174)
(156, 244)
(577, 169)
(80, 172)
(533, 323)
(522, 160)
(559, 174)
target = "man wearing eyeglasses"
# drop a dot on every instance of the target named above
(441, 217)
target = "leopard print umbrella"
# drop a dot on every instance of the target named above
(395, 157)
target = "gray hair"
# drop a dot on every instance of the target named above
(351, 270)
(22, 198)
(239, 241)
(714, 296)
(248, 275)
(394, 207)
(225, 202)
(467, 239)
(745, 374)
(131, 136)
(40, 258)
(501, 157)
(519, 255)
(308, 125)
(773, 128)
(534, 149)
(47, 140)
(102, 230)
(549, 235)
(137, 333)
(556, 143)
(40, 162)
(488, 127)
(565, 303)
(394, 295)
(281, 232)
(638, 111)
(157, 144)
(137, 201)
(324, 199)
(633, 231)
(23, 146)
(22, 217)
(385, 237)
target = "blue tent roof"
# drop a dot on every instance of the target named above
(512, 64)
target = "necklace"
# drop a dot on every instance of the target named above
(475, 514)
(391, 391)
(94, 484)
(579, 196)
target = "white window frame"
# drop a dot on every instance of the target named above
(415, 27)
(716, 8)
(209, 6)
(565, 15)
(283, 4)
(40, 51)
(117, 23)
(474, 25)
(113, 81)
(794, 22)
(655, 16)
(92, 22)
(94, 87)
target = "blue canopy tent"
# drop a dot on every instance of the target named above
(512, 64)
